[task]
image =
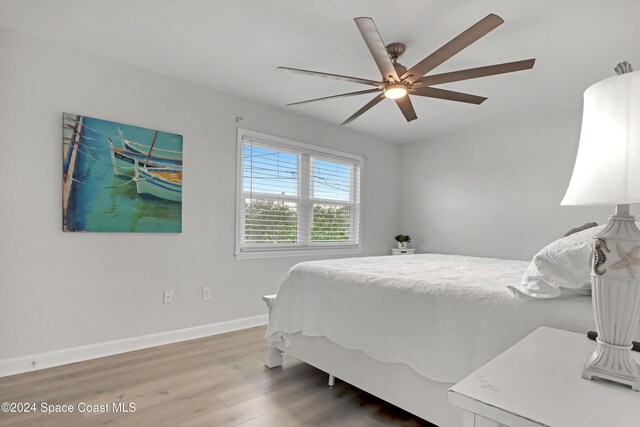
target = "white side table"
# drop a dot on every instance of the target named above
(537, 382)
(405, 251)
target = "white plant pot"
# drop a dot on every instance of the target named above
(402, 245)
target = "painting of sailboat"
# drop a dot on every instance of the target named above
(120, 178)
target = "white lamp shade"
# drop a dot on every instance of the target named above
(607, 169)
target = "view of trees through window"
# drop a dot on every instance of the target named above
(330, 223)
(272, 222)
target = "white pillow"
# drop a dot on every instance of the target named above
(563, 264)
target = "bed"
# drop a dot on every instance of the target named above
(405, 328)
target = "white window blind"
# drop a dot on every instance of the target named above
(295, 196)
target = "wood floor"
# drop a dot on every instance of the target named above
(214, 381)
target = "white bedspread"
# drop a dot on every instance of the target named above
(442, 315)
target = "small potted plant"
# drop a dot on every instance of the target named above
(402, 240)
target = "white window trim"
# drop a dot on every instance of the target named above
(276, 252)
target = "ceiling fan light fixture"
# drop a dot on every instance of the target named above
(395, 91)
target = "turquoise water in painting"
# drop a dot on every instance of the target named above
(100, 201)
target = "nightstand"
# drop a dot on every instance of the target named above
(538, 382)
(405, 251)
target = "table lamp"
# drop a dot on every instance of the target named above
(607, 172)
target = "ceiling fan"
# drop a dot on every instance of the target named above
(398, 82)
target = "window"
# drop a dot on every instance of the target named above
(295, 197)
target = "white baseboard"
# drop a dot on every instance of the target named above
(49, 359)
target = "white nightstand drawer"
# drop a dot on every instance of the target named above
(405, 251)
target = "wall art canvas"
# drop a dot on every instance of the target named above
(120, 178)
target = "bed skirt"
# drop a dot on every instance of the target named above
(395, 383)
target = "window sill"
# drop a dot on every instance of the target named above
(296, 253)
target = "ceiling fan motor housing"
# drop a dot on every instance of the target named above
(400, 69)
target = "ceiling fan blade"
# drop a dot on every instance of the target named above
(466, 38)
(377, 48)
(342, 95)
(474, 73)
(364, 109)
(406, 107)
(432, 92)
(333, 76)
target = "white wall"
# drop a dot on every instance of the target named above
(60, 290)
(494, 192)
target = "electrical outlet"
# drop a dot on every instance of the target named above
(206, 293)
(168, 297)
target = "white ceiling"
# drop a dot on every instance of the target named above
(234, 46)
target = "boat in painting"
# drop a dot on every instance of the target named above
(163, 183)
(124, 159)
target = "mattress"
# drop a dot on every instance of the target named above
(442, 315)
